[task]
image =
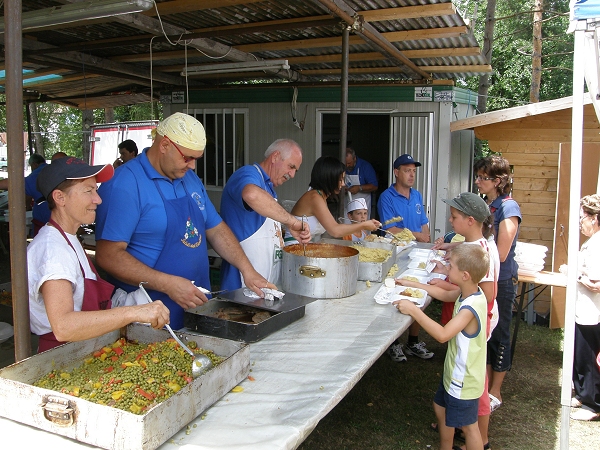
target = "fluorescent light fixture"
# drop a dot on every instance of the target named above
(245, 66)
(75, 12)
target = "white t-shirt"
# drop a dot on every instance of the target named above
(49, 257)
(489, 245)
(587, 306)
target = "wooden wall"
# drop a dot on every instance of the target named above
(531, 145)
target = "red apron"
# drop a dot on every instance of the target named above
(96, 295)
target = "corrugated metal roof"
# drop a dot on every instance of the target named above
(97, 57)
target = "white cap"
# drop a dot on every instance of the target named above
(359, 203)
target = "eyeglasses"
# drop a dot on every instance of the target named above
(186, 159)
(480, 178)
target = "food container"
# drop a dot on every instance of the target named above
(372, 271)
(320, 270)
(213, 319)
(107, 427)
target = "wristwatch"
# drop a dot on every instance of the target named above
(360, 188)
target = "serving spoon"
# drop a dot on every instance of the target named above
(343, 219)
(201, 363)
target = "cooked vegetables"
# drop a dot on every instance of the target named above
(129, 376)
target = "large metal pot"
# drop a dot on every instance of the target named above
(320, 270)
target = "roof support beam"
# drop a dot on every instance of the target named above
(391, 70)
(392, 36)
(95, 62)
(370, 34)
(208, 46)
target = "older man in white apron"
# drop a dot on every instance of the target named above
(249, 206)
(361, 180)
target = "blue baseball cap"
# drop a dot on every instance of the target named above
(405, 159)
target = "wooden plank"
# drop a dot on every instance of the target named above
(535, 159)
(536, 172)
(514, 113)
(536, 234)
(394, 36)
(557, 307)
(519, 147)
(528, 196)
(537, 221)
(539, 209)
(535, 184)
(408, 12)
(183, 6)
(436, 69)
(490, 132)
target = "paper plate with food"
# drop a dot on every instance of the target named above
(387, 295)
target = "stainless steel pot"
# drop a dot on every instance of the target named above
(320, 270)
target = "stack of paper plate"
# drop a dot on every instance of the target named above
(530, 257)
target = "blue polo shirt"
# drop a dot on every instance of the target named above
(392, 204)
(242, 220)
(504, 207)
(364, 170)
(132, 211)
(39, 212)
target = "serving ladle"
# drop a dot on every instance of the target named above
(201, 363)
(343, 219)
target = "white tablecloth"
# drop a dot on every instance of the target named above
(301, 372)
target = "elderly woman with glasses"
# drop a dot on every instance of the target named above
(493, 179)
(586, 376)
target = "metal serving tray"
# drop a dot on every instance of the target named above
(108, 427)
(372, 271)
(283, 312)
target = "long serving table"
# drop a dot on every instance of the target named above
(300, 373)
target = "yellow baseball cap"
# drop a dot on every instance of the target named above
(184, 130)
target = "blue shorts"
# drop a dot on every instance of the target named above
(459, 413)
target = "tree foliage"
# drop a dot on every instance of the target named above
(61, 125)
(513, 47)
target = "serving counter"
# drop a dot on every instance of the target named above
(298, 374)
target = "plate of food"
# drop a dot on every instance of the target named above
(418, 264)
(387, 295)
(414, 275)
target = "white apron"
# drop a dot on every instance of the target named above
(354, 180)
(264, 249)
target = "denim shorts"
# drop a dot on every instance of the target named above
(498, 354)
(459, 413)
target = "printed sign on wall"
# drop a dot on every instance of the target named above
(423, 94)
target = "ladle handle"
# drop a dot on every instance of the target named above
(167, 326)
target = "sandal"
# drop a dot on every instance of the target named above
(485, 447)
(585, 415)
(458, 435)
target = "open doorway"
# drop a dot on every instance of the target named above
(368, 135)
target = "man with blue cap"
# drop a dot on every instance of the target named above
(401, 200)
(405, 204)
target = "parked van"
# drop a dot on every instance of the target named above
(106, 137)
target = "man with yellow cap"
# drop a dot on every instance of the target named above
(156, 218)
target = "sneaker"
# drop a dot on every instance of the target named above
(396, 353)
(419, 350)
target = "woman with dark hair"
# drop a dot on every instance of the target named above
(493, 179)
(326, 178)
